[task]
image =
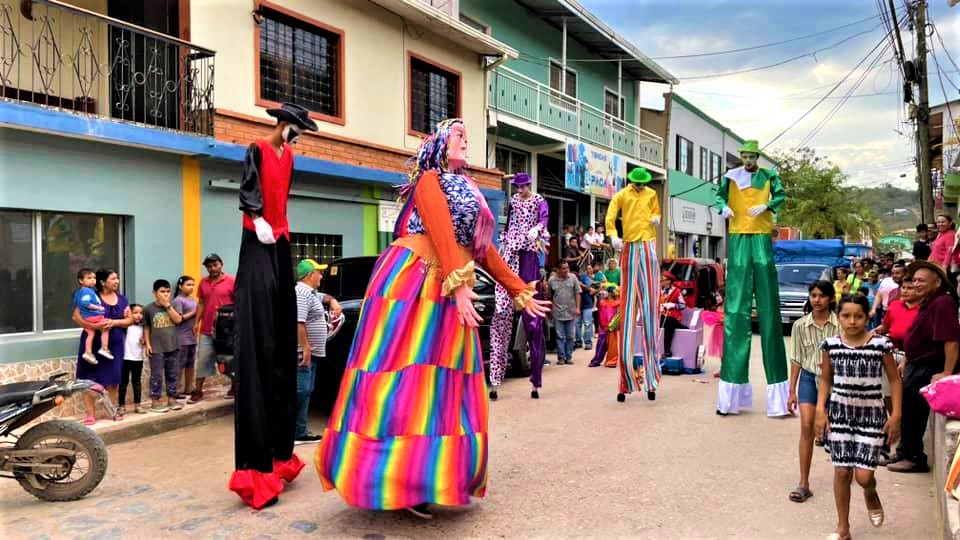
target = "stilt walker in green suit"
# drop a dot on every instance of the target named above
(748, 197)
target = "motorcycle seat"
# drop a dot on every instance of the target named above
(20, 391)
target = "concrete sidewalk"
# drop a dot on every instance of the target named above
(136, 426)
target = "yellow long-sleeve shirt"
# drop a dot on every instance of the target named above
(639, 207)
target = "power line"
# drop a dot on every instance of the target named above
(764, 46)
(782, 62)
(778, 98)
(943, 47)
(832, 90)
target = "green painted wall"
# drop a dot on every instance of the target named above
(40, 172)
(690, 188)
(513, 25)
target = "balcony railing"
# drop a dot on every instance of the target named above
(61, 56)
(535, 102)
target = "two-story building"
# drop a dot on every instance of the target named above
(567, 110)
(124, 124)
(699, 150)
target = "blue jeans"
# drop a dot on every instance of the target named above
(585, 327)
(565, 333)
(306, 377)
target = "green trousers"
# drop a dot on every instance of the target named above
(751, 271)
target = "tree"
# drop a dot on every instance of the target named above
(819, 203)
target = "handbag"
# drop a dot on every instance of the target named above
(944, 396)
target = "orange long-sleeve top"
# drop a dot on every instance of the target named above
(434, 212)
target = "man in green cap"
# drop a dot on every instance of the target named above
(311, 339)
(639, 282)
(748, 197)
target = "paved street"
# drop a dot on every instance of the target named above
(573, 464)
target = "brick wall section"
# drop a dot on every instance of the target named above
(243, 129)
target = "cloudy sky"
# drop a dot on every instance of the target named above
(861, 136)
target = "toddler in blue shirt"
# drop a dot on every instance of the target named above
(86, 300)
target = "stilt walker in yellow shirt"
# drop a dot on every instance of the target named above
(640, 282)
(748, 197)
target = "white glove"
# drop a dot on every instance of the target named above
(669, 305)
(726, 213)
(533, 233)
(616, 243)
(755, 211)
(264, 231)
(655, 220)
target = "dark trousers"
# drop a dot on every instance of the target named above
(915, 411)
(265, 354)
(164, 368)
(130, 371)
(670, 326)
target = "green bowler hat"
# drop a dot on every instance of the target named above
(750, 147)
(639, 176)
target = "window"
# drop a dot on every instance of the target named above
(300, 62)
(511, 161)
(475, 24)
(733, 161)
(704, 164)
(684, 155)
(716, 168)
(434, 95)
(42, 253)
(323, 248)
(613, 105)
(563, 88)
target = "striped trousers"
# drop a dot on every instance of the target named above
(639, 316)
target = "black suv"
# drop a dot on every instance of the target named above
(346, 280)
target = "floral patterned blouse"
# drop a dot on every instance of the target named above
(464, 209)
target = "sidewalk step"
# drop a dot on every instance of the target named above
(137, 426)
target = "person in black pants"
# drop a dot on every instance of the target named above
(931, 350)
(132, 369)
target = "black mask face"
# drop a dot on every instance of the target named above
(291, 134)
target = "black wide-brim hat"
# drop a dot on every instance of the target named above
(294, 114)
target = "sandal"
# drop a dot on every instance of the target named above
(800, 494)
(876, 514)
(89, 421)
(836, 536)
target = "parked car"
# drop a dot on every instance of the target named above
(346, 280)
(699, 279)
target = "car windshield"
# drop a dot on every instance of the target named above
(801, 276)
(683, 271)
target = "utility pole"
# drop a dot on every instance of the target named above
(923, 113)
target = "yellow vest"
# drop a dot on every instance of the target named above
(741, 201)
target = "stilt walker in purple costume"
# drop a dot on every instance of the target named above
(520, 245)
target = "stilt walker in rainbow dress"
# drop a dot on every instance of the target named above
(640, 282)
(748, 197)
(520, 244)
(409, 427)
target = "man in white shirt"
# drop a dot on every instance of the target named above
(888, 290)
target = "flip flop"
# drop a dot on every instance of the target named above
(800, 494)
(876, 514)
(89, 421)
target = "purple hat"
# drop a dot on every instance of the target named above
(520, 179)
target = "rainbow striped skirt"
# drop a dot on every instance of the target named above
(410, 422)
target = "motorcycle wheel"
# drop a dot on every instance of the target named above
(85, 470)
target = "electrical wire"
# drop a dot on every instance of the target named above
(943, 89)
(764, 46)
(827, 95)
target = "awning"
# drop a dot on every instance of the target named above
(598, 38)
(439, 22)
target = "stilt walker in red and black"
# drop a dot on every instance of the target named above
(265, 346)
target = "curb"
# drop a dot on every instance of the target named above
(156, 424)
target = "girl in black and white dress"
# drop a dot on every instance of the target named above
(852, 371)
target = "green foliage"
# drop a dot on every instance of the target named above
(819, 202)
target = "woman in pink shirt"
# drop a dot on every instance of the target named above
(942, 249)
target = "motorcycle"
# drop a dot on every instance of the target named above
(56, 460)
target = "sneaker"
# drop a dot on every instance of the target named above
(422, 511)
(174, 405)
(90, 358)
(907, 466)
(195, 397)
(139, 410)
(588, 347)
(307, 439)
(106, 354)
(159, 408)
(887, 459)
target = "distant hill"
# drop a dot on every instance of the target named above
(895, 208)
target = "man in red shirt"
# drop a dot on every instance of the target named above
(216, 291)
(265, 318)
(671, 311)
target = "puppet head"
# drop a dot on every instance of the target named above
(750, 153)
(296, 118)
